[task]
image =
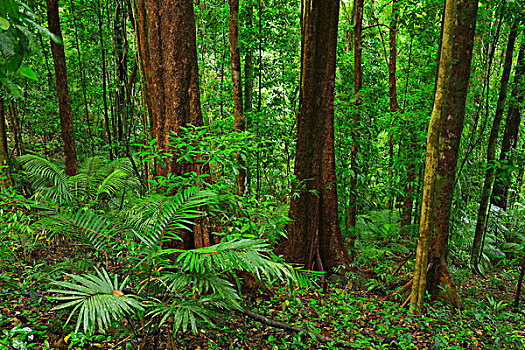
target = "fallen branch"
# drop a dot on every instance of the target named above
(286, 326)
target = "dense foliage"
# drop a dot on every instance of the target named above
(97, 258)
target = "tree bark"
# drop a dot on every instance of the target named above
(483, 211)
(314, 236)
(64, 103)
(449, 142)
(425, 223)
(168, 51)
(238, 111)
(358, 85)
(510, 136)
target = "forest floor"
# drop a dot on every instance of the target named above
(353, 313)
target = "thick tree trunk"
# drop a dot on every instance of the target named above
(168, 51)
(510, 136)
(358, 85)
(449, 141)
(483, 211)
(314, 236)
(64, 103)
(425, 223)
(238, 111)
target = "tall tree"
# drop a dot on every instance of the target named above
(420, 273)
(439, 281)
(483, 210)
(358, 86)
(510, 136)
(64, 103)
(314, 236)
(238, 111)
(168, 52)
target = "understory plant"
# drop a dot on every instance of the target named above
(103, 209)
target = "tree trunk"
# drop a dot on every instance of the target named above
(483, 211)
(5, 173)
(168, 51)
(107, 125)
(358, 85)
(121, 68)
(425, 223)
(449, 142)
(64, 103)
(81, 68)
(238, 112)
(510, 136)
(314, 236)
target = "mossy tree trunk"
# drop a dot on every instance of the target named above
(425, 225)
(439, 281)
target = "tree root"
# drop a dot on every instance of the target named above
(447, 290)
(286, 326)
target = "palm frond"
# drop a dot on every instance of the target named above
(85, 223)
(156, 215)
(90, 174)
(47, 178)
(240, 254)
(185, 312)
(204, 282)
(113, 183)
(97, 298)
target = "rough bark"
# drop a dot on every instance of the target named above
(238, 111)
(449, 142)
(483, 211)
(510, 136)
(425, 223)
(64, 103)
(314, 236)
(358, 85)
(168, 52)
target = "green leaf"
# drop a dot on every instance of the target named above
(43, 30)
(13, 88)
(4, 23)
(27, 72)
